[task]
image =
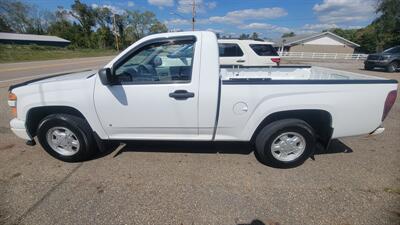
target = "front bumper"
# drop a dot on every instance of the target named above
(377, 131)
(377, 63)
(19, 129)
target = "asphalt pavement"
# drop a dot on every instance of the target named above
(356, 181)
(16, 71)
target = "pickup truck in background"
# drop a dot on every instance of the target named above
(388, 59)
(171, 87)
(236, 52)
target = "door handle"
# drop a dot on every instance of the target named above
(241, 61)
(181, 95)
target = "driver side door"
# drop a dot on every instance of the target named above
(155, 96)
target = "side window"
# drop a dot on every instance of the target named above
(263, 50)
(229, 50)
(162, 62)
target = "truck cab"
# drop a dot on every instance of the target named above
(162, 78)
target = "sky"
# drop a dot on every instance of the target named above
(269, 18)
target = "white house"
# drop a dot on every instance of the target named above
(325, 42)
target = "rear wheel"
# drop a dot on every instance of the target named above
(392, 67)
(285, 143)
(66, 137)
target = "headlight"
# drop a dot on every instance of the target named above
(386, 57)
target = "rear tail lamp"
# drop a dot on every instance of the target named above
(276, 60)
(390, 99)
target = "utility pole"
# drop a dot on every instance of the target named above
(193, 13)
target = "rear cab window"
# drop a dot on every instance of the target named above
(229, 50)
(263, 49)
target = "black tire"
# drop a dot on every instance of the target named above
(392, 67)
(80, 129)
(366, 67)
(269, 133)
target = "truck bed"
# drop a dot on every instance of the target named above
(258, 91)
(291, 73)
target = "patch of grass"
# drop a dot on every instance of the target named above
(20, 53)
(392, 190)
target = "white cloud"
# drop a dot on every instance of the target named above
(326, 26)
(320, 26)
(131, 4)
(161, 3)
(185, 6)
(265, 26)
(215, 30)
(177, 22)
(340, 11)
(316, 28)
(114, 9)
(238, 16)
(211, 5)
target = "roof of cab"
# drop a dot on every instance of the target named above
(245, 41)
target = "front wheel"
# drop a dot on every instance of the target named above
(66, 137)
(392, 67)
(285, 143)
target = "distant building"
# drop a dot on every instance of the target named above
(325, 42)
(26, 39)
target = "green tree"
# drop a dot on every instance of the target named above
(254, 35)
(158, 27)
(139, 24)
(290, 34)
(15, 15)
(366, 38)
(387, 26)
(64, 28)
(86, 16)
(103, 36)
(244, 36)
(4, 26)
(103, 16)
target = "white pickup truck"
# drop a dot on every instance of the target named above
(171, 87)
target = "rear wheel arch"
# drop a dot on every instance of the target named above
(37, 114)
(320, 120)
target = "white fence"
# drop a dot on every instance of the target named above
(316, 55)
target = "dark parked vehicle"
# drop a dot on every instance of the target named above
(388, 59)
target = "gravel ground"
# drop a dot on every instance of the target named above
(356, 181)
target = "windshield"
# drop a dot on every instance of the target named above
(393, 50)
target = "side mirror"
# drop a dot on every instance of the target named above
(105, 76)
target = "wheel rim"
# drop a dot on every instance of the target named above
(63, 141)
(394, 67)
(288, 146)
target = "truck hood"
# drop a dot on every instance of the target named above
(74, 76)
